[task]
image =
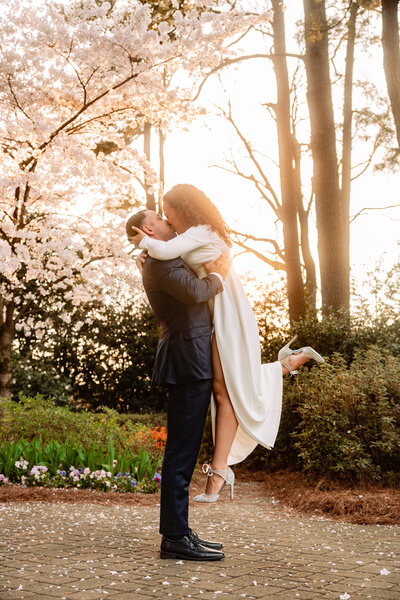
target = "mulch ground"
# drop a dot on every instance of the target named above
(369, 504)
(364, 505)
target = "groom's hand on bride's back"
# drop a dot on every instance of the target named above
(221, 265)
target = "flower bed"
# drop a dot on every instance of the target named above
(65, 465)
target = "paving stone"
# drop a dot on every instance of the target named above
(11, 595)
(96, 594)
(385, 594)
(130, 596)
(93, 552)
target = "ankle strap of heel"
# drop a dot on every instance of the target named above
(208, 470)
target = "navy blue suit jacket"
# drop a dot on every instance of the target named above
(179, 301)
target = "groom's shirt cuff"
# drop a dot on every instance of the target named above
(219, 277)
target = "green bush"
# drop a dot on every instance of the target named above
(349, 425)
(40, 377)
(103, 356)
(335, 334)
(39, 417)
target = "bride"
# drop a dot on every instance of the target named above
(247, 395)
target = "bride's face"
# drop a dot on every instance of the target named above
(174, 219)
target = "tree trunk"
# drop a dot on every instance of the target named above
(309, 264)
(335, 276)
(150, 200)
(6, 339)
(289, 192)
(347, 128)
(391, 57)
(161, 154)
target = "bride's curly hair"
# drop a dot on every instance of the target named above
(195, 208)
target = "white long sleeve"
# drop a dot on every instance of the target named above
(191, 239)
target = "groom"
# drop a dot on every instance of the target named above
(183, 365)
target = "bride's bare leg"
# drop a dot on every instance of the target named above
(225, 423)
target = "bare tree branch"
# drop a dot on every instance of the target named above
(16, 99)
(249, 236)
(368, 162)
(226, 63)
(243, 35)
(253, 158)
(372, 208)
(263, 32)
(278, 266)
(258, 184)
(231, 61)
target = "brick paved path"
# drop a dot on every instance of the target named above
(94, 552)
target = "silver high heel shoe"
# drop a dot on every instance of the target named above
(285, 352)
(229, 479)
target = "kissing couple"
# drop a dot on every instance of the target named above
(209, 346)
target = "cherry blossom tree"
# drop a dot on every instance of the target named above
(77, 79)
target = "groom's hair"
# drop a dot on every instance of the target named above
(135, 220)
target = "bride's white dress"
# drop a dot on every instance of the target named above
(255, 389)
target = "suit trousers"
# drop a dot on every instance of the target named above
(187, 411)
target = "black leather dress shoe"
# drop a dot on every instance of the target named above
(187, 549)
(195, 538)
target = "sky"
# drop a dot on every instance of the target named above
(192, 156)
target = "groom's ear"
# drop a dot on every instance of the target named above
(148, 229)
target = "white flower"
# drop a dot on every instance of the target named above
(72, 244)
